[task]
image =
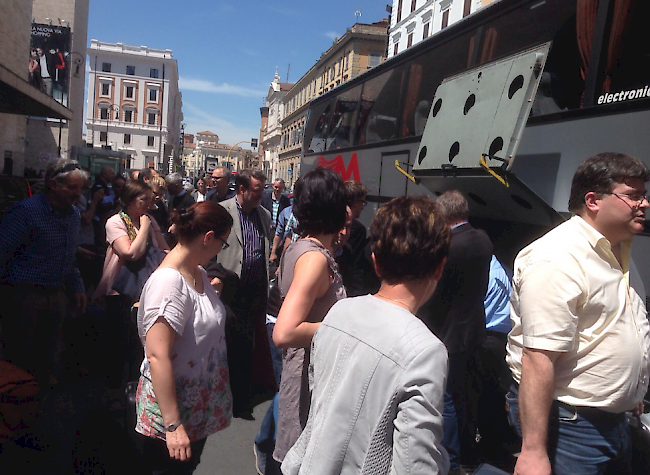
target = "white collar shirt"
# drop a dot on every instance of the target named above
(571, 295)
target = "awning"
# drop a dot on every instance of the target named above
(17, 96)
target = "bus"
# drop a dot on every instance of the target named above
(593, 96)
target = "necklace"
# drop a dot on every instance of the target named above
(395, 301)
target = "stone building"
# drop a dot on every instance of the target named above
(134, 104)
(415, 20)
(206, 153)
(32, 121)
(271, 129)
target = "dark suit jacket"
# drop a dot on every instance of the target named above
(231, 258)
(455, 313)
(267, 202)
(212, 195)
(181, 202)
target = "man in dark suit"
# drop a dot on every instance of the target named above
(275, 202)
(455, 314)
(247, 256)
(179, 198)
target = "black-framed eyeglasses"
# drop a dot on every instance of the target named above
(224, 244)
(636, 199)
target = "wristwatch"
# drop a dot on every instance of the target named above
(173, 427)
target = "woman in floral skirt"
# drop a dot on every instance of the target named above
(184, 393)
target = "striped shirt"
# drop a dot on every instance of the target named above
(253, 263)
(38, 245)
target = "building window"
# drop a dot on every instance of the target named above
(445, 19)
(153, 73)
(399, 11)
(103, 113)
(413, 5)
(151, 118)
(128, 115)
(106, 89)
(129, 92)
(130, 70)
(103, 137)
(153, 95)
(467, 8)
(150, 140)
(425, 31)
(409, 40)
(127, 139)
(106, 67)
(374, 59)
(395, 48)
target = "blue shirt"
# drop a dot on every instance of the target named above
(38, 245)
(497, 299)
(281, 228)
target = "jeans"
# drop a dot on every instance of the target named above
(582, 441)
(265, 438)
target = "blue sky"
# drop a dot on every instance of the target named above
(227, 52)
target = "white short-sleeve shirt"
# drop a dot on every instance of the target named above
(571, 295)
(199, 357)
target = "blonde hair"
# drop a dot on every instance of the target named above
(158, 183)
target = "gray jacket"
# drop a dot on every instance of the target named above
(232, 257)
(378, 380)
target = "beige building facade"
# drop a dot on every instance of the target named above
(202, 155)
(271, 129)
(361, 47)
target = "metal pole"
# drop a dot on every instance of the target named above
(231, 148)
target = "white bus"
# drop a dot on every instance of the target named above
(594, 96)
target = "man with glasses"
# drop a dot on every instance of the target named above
(580, 344)
(38, 242)
(220, 185)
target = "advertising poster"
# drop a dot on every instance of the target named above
(49, 60)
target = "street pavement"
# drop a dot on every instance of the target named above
(230, 452)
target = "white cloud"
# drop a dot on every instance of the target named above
(198, 120)
(333, 35)
(201, 85)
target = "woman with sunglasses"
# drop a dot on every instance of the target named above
(184, 392)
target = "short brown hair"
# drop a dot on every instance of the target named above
(409, 237)
(601, 173)
(454, 204)
(243, 178)
(356, 191)
(132, 190)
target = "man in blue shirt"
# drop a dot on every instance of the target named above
(38, 241)
(494, 374)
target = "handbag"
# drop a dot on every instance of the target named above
(20, 397)
(133, 275)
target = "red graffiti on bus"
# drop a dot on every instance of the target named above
(338, 165)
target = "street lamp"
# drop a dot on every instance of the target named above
(253, 142)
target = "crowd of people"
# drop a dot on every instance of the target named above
(391, 352)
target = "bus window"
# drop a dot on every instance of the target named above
(319, 127)
(380, 107)
(344, 119)
(563, 80)
(625, 68)
(426, 72)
